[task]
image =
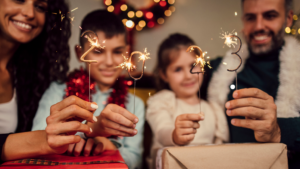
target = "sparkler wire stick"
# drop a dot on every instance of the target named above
(228, 41)
(94, 44)
(127, 64)
(201, 61)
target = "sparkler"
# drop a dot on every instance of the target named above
(129, 66)
(199, 61)
(62, 16)
(94, 41)
(231, 40)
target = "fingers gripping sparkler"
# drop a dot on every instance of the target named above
(231, 40)
(198, 61)
(94, 41)
(128, 65)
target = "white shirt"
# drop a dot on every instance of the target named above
(9, 116)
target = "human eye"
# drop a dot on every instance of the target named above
(178, 69)
(249, 17)
(270, 16)
(97, 51)
(41, 6)
(19, 1)
(118, 52)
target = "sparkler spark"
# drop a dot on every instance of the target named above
(126, 64)
(94, 44)
(199, 59)
(231, 40)
(62, 16)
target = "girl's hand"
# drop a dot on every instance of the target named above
(186, 126)
(61, 127)
(114, 121)
(95, 145)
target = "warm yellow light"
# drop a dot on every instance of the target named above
(168, 13)
(123, 7)
(160, 20)
(130, 24)
(124, 21)
(299, 30)
(110, 8)
(108, 2)
(171, 2)
(138, 28)
(172, 8)
(130, 14)
(295, 17)
(156, 1)
(235, 13)
(288, 30)
(142, 23)
(139, 14)
(294, 31)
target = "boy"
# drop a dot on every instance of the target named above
(109, 88)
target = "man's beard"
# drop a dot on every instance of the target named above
(276, 42)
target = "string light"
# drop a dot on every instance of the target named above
(235, 13)
(156, 1)
(108, 2)
(130, 14)
(124, 21)
(139, 14)
(160, 20)
(123, 7)
(172, 8)
(142, 23)
(130, 24)
(149, 15)
(299, 30)
(163, 3)
(171, 2)
(288, 30)
(168, 13)
(138, 28)
(293, 31)
(295, 17)
(110, 8)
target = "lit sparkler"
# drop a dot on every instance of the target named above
(199, 61)
(94, 41)
(231, 40)
(129, 66)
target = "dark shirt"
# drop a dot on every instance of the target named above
(260, 72)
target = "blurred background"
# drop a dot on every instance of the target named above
(202, 20)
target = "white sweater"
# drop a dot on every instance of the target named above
(164, 107)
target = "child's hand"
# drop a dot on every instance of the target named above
(95, 145)
(114, 120)
(186, 126)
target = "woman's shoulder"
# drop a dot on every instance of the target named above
(166, 97)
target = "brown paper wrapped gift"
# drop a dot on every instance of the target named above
(227, 156)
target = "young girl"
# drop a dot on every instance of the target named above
(174, 111)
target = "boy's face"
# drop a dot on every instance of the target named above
(105, 72)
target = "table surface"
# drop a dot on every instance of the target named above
(108, 159)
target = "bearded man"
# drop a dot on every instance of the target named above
(266, 106)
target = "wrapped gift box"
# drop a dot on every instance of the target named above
(227, 156)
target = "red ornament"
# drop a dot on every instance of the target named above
(78, 84)
(149, 15)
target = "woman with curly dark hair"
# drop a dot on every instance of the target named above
(34, 52)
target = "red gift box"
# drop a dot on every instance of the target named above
(108, 159)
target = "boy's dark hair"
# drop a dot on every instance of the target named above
(168, 51)
(102, 20)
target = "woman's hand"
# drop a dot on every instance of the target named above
(61, 126)
(186, 126)
(114, 121)
(94, 146)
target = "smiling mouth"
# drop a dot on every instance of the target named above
(22, 25)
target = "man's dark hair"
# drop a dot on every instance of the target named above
(288, 5)
(102, 20)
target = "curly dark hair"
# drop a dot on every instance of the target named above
(37, 63)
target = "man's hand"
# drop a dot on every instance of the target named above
(114, 121)
(260, 111)
(186, 126)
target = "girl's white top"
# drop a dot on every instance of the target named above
(9, 116)
(164, 107)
